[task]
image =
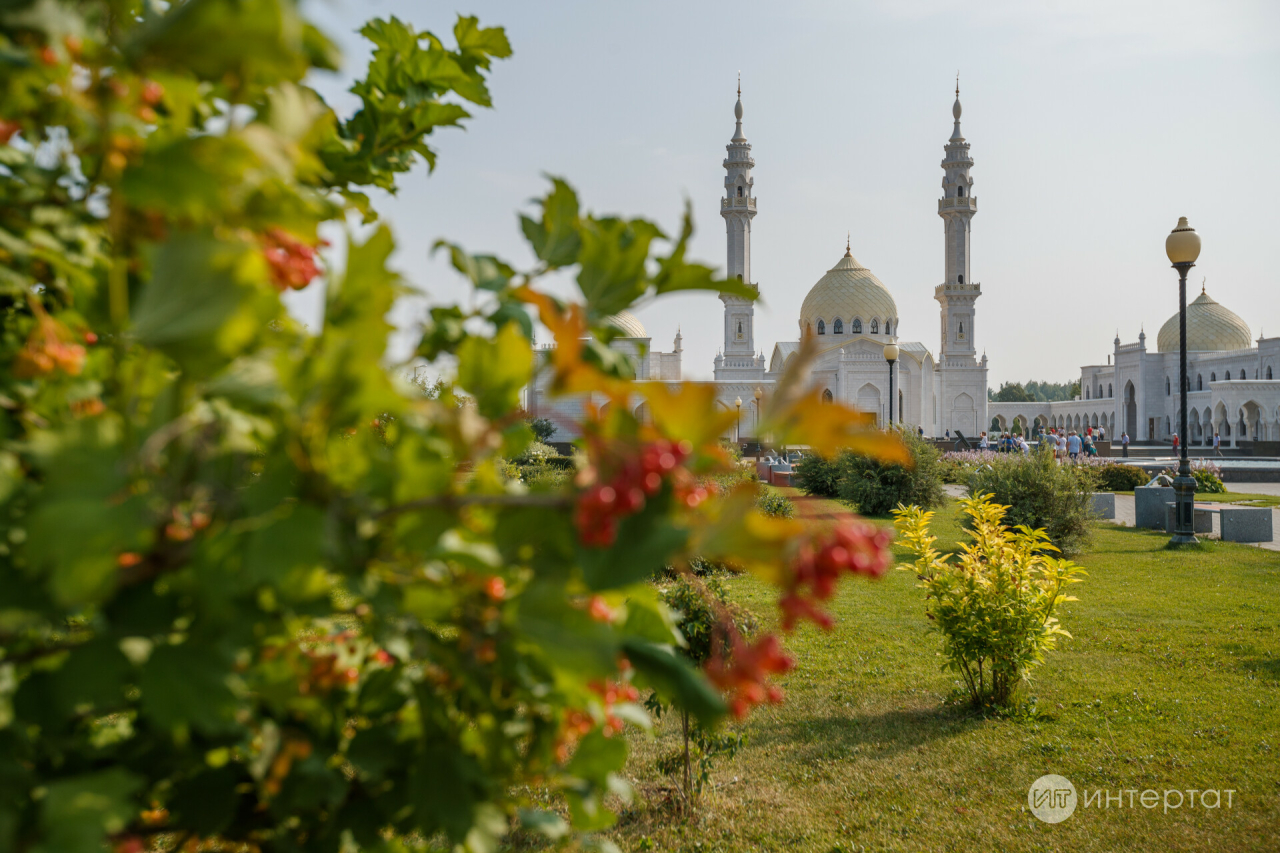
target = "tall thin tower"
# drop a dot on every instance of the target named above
(738, 207)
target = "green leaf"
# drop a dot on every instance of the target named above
(673, 677)
(206, 803)
(200, 305)
(186, 686)
(675, 274)
(613, 262)
(555, 238)
(644, 546)
(285, 553)
(494, 371)
(78, 813)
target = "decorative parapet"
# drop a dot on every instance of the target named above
(967, 202)
(748, 203)
(954, 289)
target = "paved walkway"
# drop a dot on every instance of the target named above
(1125, 511)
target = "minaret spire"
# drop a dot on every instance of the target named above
(738, 207)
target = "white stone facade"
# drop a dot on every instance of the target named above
(851, 315)
(1235, 393)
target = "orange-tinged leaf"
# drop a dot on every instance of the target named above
(686, 411)
(735, 531)
(568, 325)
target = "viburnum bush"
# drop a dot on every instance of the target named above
(257, 591)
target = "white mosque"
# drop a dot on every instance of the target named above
(853, 317)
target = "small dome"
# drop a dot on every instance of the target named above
(1210, 328)
(848, 292)
(629, 324)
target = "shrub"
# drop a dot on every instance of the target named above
(543, 428)
(876, 487)
(955, 466)
(1208, 477)
(536, 452)
(776, 505)
(816, 475)
(1117, 477)
(994, 603)
(701, 607)
(1040, 493)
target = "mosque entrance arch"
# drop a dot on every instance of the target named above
(868, 400)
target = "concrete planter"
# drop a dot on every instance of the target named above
(1104, 504)
(1149, 506)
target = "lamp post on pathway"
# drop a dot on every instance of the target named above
(759, 395)
(1183, 247)
(737, 430)
(891, 355)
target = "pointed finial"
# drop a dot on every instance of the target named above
(957, 84)
(848, 238)
(739, 84)
(1202, 281)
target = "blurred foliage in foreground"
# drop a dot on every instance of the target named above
(258, 593)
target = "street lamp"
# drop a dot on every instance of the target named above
(737, 430)
(1183, 247)
(891, 355)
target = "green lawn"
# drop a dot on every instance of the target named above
(1172, 681)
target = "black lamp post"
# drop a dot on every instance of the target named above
(891, 355)
(759, 395)
(1183, 247)
(737, 430)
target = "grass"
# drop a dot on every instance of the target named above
(1172, 681)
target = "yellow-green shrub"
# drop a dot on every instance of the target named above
(994, 602)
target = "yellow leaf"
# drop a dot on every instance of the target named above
(686, 411)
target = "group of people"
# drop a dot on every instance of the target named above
(1066, 444)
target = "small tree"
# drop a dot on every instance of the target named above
(542, 428)
(994, 605)
(1040, 493)
(875, 487)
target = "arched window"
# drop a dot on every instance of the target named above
(1087, 393)
(1108, 389)
(960, 192)
(1268, 371)
(857, 326)
(1213, 376)
(739, 276)
(1166, 386)
(1199, 382)
(1242, 373)
(739, 192)
(960, 278)
(837, 328)
(961, 330)
(740, 335)
(822, 328)
(888, 329)
(875, 327)
(826, 396)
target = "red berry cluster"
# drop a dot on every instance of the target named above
(742, 675)
(854, 547)
(48, 348)
(578, 722)
(293, 262)
(635, 476)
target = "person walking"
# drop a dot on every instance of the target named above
(1175, 444)
(1073, 446)
(982, 441)
(1217, 444)
(1124, 443)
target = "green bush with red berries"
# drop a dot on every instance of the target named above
(259, 593)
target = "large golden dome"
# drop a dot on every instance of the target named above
(849, 292)
(1210, 328)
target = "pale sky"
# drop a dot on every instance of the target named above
(1093, 125)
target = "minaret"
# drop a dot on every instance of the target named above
(738, 207)
(958, 293)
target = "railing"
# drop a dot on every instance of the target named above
(969, 201)
(746, 202)
(958, 288)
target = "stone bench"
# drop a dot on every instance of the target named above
(1201, 522)
(1246, 524)
(1103, 504)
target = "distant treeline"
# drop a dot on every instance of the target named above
(1034, 392)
